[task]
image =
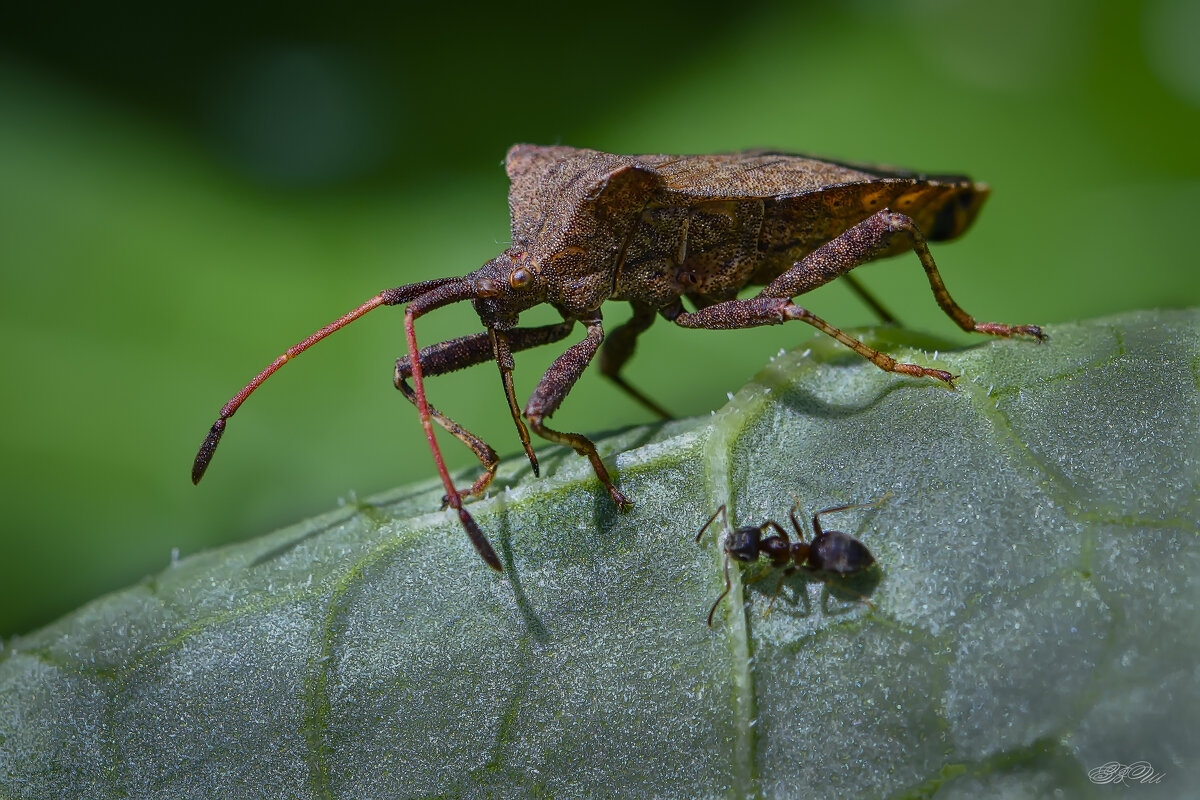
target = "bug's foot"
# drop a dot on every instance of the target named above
(999, 329)
(918, 371)
(944, 376)
(463, 494)
(477, 488)
(623, 502)
(1034, 331)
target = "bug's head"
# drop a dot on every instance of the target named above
(504, 287)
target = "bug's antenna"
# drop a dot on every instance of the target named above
(390, 297)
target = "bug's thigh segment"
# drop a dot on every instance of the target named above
(757, 311)
(553, 389)
(870, 239)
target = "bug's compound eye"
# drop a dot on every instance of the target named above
(519, 278)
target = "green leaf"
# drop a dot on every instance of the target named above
(1033, 616)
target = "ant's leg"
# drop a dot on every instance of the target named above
(466, 351)
(780, 532)
(817, 516)
(796, 523)
(747, 581)
(778, 586)
(756, 311)
(828, 580)
(553, 389)
(873, 238)
(778, 557)
(619, 347)
(720, 512)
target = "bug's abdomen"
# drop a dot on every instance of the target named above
(793, 227)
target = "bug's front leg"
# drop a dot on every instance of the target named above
(551, 391)
(466, 351)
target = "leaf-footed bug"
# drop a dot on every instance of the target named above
(830, 553)
(650, 230)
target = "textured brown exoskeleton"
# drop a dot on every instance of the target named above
(650, 230)
(829, 554)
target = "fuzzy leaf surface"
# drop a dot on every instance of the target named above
(1033, 615)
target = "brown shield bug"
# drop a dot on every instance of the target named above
(651, 230)
(829, 554)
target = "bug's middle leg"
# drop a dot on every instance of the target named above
(619, 347)
(553, 389)
(885, 316)
(466, 351)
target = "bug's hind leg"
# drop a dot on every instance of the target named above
(869, 239)
(873, 238)
(757, 311)
(618, 349)
(894, 224)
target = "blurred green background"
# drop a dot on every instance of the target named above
(187, 190)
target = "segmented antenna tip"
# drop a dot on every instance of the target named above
(207, 449)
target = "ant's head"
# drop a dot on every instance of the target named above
(743, 543)
(837, 552)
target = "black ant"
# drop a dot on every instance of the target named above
(830, 553)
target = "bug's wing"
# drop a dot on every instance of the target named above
(752, 174)
(805, 188)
